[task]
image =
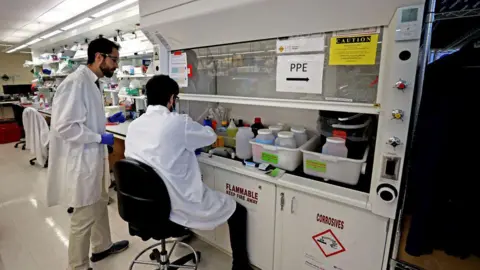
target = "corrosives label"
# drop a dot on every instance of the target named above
(270, 158)
(353, 50)
(316, 165)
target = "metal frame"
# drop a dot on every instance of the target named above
(286, 103)
(167, 258)
(468, 13)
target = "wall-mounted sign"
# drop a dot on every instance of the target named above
(353, 50)
(300, 73)
(301, 44)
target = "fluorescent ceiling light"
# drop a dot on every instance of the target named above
(51, 34)
(17, 48)
(33, 41)
(77, 23)
(113, 8)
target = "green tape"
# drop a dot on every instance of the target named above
(270, 158)
(316, 165)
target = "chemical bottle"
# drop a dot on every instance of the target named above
(232, 129)
(257, 125)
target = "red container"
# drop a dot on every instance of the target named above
(9, 133)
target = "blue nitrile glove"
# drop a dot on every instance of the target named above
(118, 117)
(107, 139)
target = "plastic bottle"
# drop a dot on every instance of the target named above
(265, 136)
(335, 146)
(300, 134)
(257, 125)
(275, 130)
(242, 143)
(232, 129)
(286, 139)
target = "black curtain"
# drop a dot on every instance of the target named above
(443, 179)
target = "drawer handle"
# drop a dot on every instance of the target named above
(291, 206)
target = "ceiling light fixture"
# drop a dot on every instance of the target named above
(75, 24)
(56, 32)
(33, 41)
(17, 48)
(113, 8)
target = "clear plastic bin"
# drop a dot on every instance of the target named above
(284, 158)
(339, 169)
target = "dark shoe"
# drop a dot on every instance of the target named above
(114, 249)
(242, 267)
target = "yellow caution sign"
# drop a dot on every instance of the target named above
(353, 50)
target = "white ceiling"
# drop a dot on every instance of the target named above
(22, 19)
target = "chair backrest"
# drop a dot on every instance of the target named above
(143, 199)
(18, 115)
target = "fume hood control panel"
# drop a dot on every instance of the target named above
(409, 26)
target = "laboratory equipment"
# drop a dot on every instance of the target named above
(265, 136)
(335, 146)
(300, 134)
(243, 147)
(281, 157)
(17, 89)
(329, 167)
(365, 86)
(286, 139)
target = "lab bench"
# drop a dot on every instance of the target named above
(293, 221)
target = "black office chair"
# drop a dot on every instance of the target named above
(18, 115)
(144, 203)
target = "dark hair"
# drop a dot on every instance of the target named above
(100, 45)
(160, 89)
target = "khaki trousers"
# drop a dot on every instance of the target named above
(89, 224)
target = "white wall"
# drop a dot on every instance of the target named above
(12, 65)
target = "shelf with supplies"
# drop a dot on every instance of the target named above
(287, 103)
(135, 76)
(133, 97)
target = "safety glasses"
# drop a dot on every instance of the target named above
(114, 58)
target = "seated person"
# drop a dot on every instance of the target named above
(166, 141)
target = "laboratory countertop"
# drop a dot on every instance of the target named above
(120, 130)
(287, 180)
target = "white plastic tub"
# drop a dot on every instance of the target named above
(333, 168)
(284, 158)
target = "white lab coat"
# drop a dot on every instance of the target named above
(36, 134)
(166, 142)
(76, 157)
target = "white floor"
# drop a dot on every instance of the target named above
(33, 236)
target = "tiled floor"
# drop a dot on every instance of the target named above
(33, 236)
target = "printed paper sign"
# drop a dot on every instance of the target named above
(179, 69)
(353, 50)
(301, 44)
(300, 73)
(328, 243)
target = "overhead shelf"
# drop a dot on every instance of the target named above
(287, 103)
(133, 97)
(120, 76)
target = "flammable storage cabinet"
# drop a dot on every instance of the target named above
(294, 62)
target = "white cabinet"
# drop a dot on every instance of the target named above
(315, 233)
(259, 199)
(208, 178)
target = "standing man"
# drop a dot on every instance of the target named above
(77, 171)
